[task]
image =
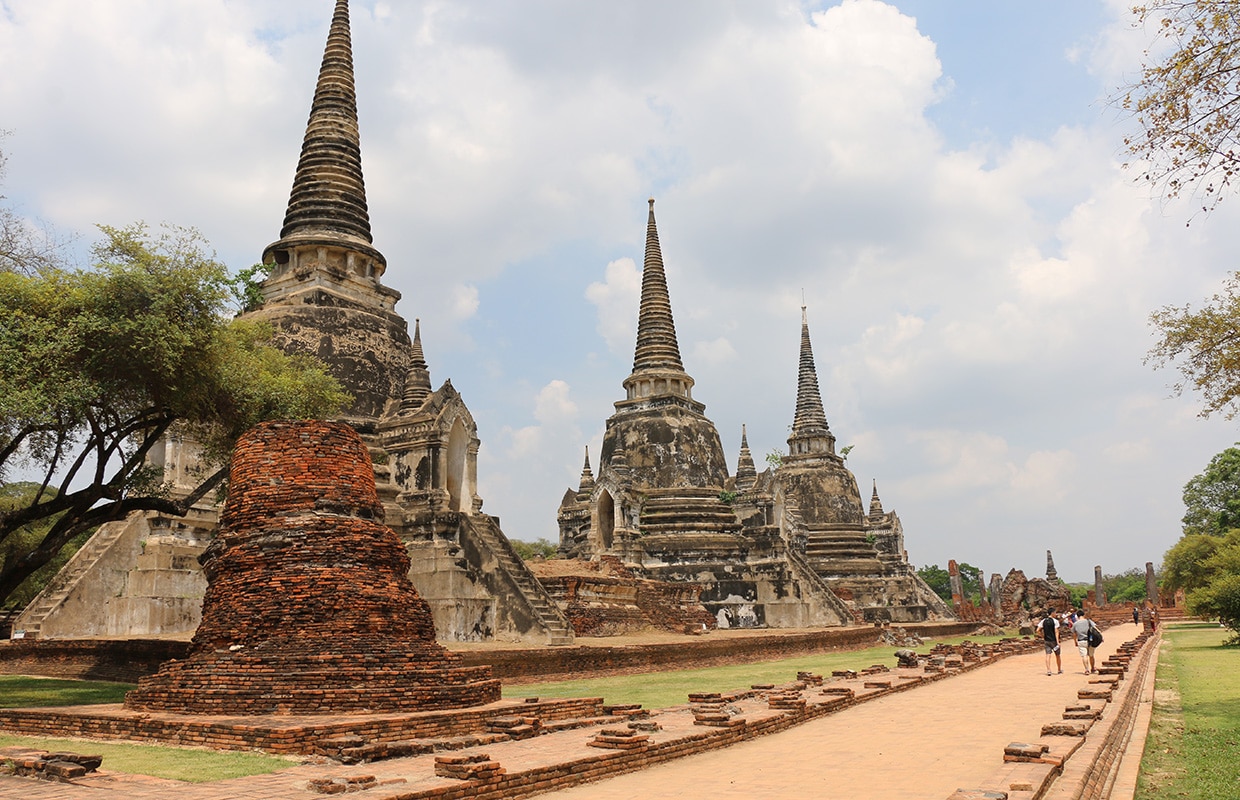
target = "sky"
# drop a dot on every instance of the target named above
(941, 184)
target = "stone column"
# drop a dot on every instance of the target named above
(953, 572)
(1051, 574)
(1100, 597)
(1151, 584)
(996, 602)
(981, 588)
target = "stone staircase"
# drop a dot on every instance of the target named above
(804, 572)
(495, 550)
(61, 587)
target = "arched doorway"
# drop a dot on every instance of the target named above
(606, 518)
(457, 472)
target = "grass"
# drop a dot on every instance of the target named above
(1193, 749)
(174, 763)
(663, 689)
(20, 691)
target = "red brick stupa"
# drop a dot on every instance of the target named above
(309, 608)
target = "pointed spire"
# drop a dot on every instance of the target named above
(328, 201)
(657, 368)
(876, 505)
(810, 432)
(587, 478)
(418, 381)
(656, 332)
(746, 473)
(1051, 574)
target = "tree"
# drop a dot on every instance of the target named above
(1205, 347)
(531, 550)
(97, 365)
(1220, 599)
(1212, 499)
(1125, 587)
(938, 580)
(14, 495)
(1187, 101)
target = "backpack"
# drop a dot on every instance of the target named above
(1095, 636)
(1048, 629)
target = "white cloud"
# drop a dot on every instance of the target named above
(616, 299)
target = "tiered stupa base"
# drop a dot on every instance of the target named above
(309, 608)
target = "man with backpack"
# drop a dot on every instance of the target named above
(1050, 640)
(1088, 637)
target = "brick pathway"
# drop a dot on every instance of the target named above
(923, 744)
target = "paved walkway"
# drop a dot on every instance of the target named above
(919, 744)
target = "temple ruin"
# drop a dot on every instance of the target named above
(789, 547)
(323, 296)
(309, 608)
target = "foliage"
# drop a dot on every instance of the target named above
(21, 691)
(1185, 565)
(246, 286)
(1125, 587)
(1205, 347)
(1220, 599)
(775, 459)
(15, 495)
(939, 580)
(97, 365)
(1208, 568)
(1186, 101)
(844, 451)
(1196, 718)
(1212, 499)
(531, 550)
(1077, 592)
(727, 497)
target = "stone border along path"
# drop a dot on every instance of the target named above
(978, 731)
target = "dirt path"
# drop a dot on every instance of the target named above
(920, 745)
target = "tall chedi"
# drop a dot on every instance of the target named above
(666, 437)
(323, 293)
(860, 556)
(659, 500)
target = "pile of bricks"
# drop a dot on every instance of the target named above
(309, 608)
(62, 767)
(620, 739)
(468, 767)
(356, 783)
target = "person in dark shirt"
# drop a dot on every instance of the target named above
(1050, 640)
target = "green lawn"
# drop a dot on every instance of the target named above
(1193, 748)
(663, 689)
(20, 691)
(182, 764)
(175, 763)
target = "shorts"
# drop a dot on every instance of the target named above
(1085, 650)
(1051, 647)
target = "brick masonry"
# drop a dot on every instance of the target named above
(309, 608)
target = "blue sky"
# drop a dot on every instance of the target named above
(941, 180)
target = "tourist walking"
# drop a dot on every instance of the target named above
(1136, 616)
(1084, 628)
(1050, 641)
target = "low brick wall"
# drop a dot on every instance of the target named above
(128, 660)
(515, 667)
(121, 660)
(288, 735)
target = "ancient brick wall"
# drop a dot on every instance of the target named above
(309, 608)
